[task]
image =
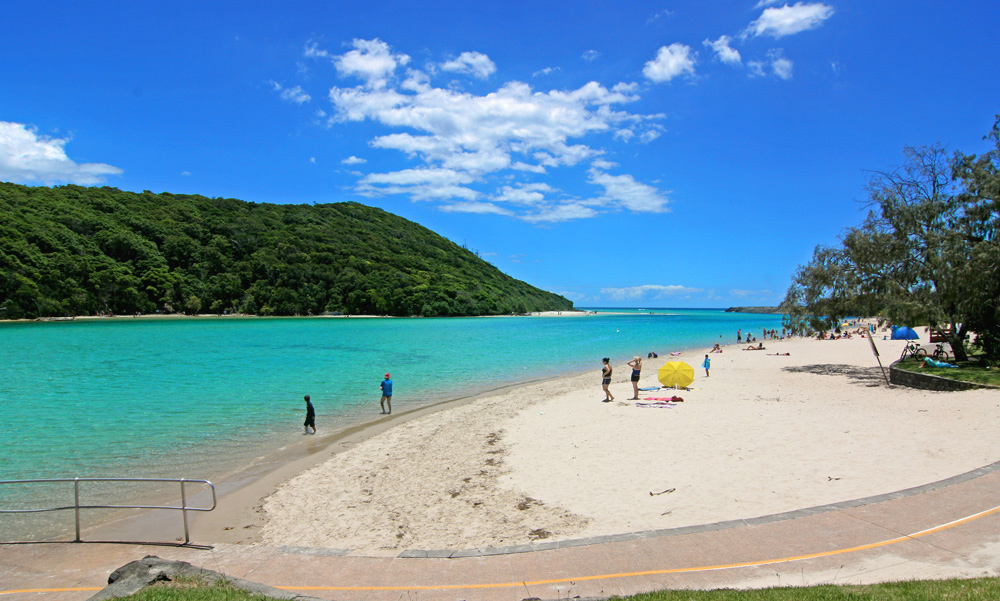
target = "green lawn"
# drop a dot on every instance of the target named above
(930, 590)
(920, 590)
(973, 371)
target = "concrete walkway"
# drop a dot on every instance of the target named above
(946, 529)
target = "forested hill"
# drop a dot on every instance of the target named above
(73, 250)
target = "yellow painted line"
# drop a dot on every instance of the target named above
(729, 566)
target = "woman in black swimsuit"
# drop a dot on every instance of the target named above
(606, 379)
(636, 365)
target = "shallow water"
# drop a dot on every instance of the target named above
(199, 398)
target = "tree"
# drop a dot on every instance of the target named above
(925, 254)
(980, 177)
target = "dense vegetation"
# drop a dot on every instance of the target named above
(73, 250)
(928, 253)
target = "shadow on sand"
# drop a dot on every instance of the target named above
(866, 376)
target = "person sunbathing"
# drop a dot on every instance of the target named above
(928, 362)
(781, 354)
(759, 347)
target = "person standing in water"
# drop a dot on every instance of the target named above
(310, 416)
(386, 386)
(606, 379)
(636, 365)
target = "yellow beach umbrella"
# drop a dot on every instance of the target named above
(676, 373)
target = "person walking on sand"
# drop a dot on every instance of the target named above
(310, 416)
(636, 365)
(386, 386)
(606, 379)
(707, 364)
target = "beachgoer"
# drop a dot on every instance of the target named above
(928, 362)
(606, 379)
(739, 336)
(636, 365)
(386, 386)
(759, 347)
(310, 416)
(716, 348)
(707, 364)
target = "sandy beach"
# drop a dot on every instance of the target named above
(765, 433)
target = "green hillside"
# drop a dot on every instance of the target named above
(73, 250)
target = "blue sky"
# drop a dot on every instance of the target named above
(650, 154)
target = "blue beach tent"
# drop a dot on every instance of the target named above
(904, 333)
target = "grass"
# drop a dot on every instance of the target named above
(918, 590)
(974, 371)
(193, 590)
(975, 589)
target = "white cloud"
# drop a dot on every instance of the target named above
(764, 3)
(186, 173)
(26, 157)
(460, 139)
(789, 20)
(560, 213)
(371, 60)
(723, 51)
(591, 56)
(662, 13)
(782, 68)
(351, 160)
(525, 194)
(649, 135)
(624, 135)
(296, 94)
(625, 191)
(647, 291)
(480, 208)
(473, 63)
(776, 65)
(670, 62)
(545, 71)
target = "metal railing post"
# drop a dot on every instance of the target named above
(184, 512)
(76, 506)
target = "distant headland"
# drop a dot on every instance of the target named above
(767, 310)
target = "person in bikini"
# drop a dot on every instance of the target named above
(636, 365)
(606, 379)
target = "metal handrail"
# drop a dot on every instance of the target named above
(76, 506)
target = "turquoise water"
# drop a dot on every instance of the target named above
(196, 398)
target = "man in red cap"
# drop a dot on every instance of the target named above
(386, 387)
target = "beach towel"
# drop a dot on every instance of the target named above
(656, 405)
(673, 399)
(675, 354)
(650, 388)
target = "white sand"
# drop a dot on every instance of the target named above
(764, 434)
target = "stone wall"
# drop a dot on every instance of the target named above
(927, 381)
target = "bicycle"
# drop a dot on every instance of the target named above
(913, 350)
(940, 354)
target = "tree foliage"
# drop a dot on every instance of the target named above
(74, 250)
(927, 252)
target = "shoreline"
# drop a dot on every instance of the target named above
(243, 491)
(546, 461)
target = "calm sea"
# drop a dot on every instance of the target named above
(198, 398)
